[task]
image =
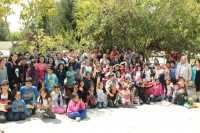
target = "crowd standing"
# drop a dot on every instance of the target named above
(95, 78)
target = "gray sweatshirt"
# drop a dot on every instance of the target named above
(3, 74)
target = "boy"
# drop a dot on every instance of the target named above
(27, 93)
(175, 92)
(50, 79)
(19, 108)
(181, 98)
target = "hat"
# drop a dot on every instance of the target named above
(5, 82)
(114, 46)
(75, 82)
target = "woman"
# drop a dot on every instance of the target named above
(42, 69)
(5, 94)
(33, 73)
(51, 62)
(13, 70)
(196, 78)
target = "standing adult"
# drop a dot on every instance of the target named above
(13, 70)
(184, 71)
(35, 54)
(59, 59)
(113, 52)
(3, 70)
(27, 58)
(196, 78)
(48, 55)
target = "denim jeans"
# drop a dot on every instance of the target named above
(157, 98)
(19, 116)
(30, 111)
(80, 113)
(101, 105)
(112, 105)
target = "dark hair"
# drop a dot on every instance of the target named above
(51, 68)
(173, 62)
(196, 60)
(29, 79)
(41, 57)
(137, 68)
(57, 53)
(168, 62)
(141, 82)
(35, 49)
(17, 93)
(48, 50)
(26, 53)
(56, 85)
(157, 64)
(11, 55)
(71, 50)
(32, 68)
(47, 95)
(61, 64)
(53, 64)
(74, 94)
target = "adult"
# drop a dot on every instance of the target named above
(196, 78)
(42, 70)
(27, 57)
(104, 61)
(48, 54)
(23, 70)
(13, 70)
(129, 51)
(71, 54)
(59, 59)
(113, 52)
(184, 71)
(3, 70)
(173, 71)
(51, 62)
(65, 57)
(116, 60)
(87, 54)
(5, 94)
(35, 54)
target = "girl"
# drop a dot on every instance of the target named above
(113, 96)
(138, 74)
(81, 89)
(57, 101)
(13, 71)
(76, 108)
(87, 68)
(42, 69)
(196, 78)
(45, 105)
(91, 97)
(125, 97)
(120, 78)
(61, 74)
(168, 91)
(157, 91)
(147, 73)
(33, 73)
(101, 97)
(5, 94)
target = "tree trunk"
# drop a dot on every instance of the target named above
(188, 56)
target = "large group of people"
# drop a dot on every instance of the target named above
(72, 81)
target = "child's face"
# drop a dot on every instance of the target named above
(70, 68)
(167, 82)
(157, 82)
(17, 97)
(57, 89)
(82, 84)
(61, 67)
(176, 87)
(49, 71)
(75, 99)
(139, 69)
(75, 86)
(101, 86)
(92, 88)
(43, 94)
(111, 77)
(182, 91)
(28, 85)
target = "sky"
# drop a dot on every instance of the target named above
(14, 19)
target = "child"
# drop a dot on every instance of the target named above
(157, 91)
(138, 74)
(175, 92)
(19, 108)
(101, 97)
(28, 92)
(50, 79)
(76, 108)
(190, 104)
(91, 97)
(45, 105)
(181, 98)
(168, 91)
(70, 79)
(126, 97)
(113, 96)
(81, 89)
(57, 100)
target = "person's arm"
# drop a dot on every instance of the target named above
(75, 107)
(36, 93)
(41, 107)
(116, 98)
(94, 72)
(14, 109)
(56, 80)
(97, 84)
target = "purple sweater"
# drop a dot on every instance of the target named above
(75, 107)
(35, 77)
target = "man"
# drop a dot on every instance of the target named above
(184, 71)
(59, 59)
(27, 57)
(116, 60)
(129, 51)
(35, 54)
(113, 52)
(3, 70)
(48, 54)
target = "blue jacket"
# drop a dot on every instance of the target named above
(27, 94)
(194, 70)
(173, 72)
(20, 102)
(50, 80)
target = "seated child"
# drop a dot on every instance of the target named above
(125, 100)
(190, 104)
(157, 91)
(113, 95)
(57, 100)
(50, 79)
(101, 96)
(168, 91)
(19, 108)
(149, 92)
(91, 97)
(45, 105)
(175, 92)
(76, 108)
(181, 97)
(27, 94)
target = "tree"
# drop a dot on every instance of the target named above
(14, 35)
(3, 31)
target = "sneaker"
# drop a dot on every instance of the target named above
(40, 115)
(197, 100)
(78, 119)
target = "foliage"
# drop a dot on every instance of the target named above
(3, 31)
(14, 35)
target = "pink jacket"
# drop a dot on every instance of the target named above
(75, 107)
(157, 90)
